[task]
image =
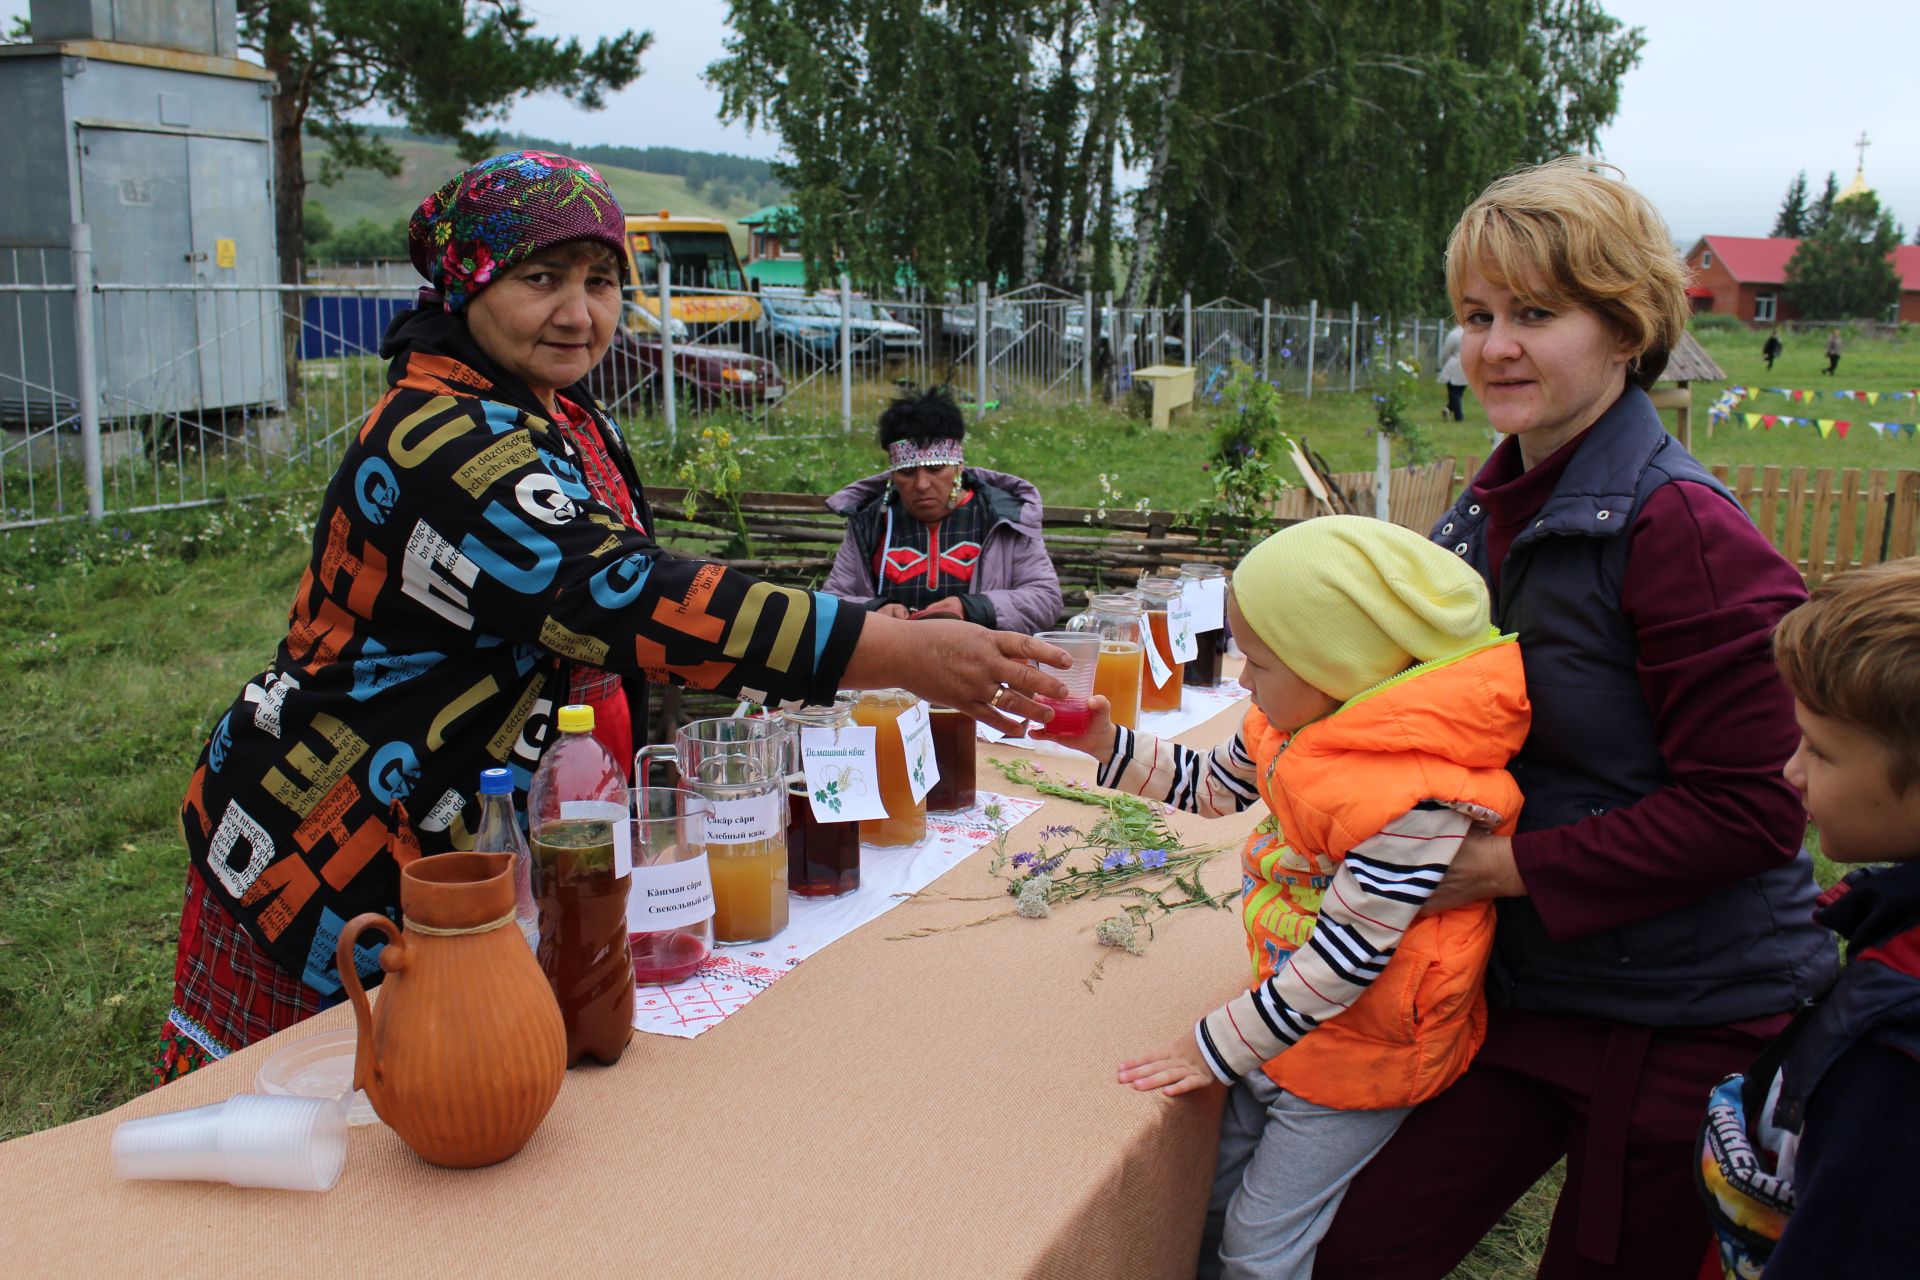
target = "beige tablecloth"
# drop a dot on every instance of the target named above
(943, 1106)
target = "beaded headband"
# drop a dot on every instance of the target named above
(902, 454)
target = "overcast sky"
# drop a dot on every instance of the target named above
(1730, 100)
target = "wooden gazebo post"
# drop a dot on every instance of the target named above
(1688, 363)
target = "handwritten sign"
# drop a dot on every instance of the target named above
(1207, 601)
(669, 895)
(748, 820)
(1180, 630)
(842, 772)
(916, 737)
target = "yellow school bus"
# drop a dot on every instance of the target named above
(710, 293)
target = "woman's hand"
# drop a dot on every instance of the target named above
(958, 665)
(1097, 741)
(1177, 1071)
(950, 607)
(1483, 868)
(894, 611)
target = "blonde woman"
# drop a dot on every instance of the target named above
(1654, 905)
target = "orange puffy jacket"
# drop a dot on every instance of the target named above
(1440, 731)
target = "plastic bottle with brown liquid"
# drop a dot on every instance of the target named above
(582, 869)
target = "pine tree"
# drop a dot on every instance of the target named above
(1842, 271)
(1791, 221)
(444, 67)
(1822, 211)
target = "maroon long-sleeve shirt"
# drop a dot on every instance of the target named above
(1703, 590)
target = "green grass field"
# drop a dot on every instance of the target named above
(118, 645)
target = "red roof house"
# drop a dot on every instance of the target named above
(1746, 276)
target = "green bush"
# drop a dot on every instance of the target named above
(1715, 322)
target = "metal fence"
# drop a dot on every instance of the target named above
(161, 396)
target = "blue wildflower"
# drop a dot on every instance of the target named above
(1022, 859)
(1050, 865)
(1153, 859)
(1115, 860)
(1050, 833)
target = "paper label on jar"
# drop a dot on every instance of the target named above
(842, 768)
(616, 816)
(746, 821)
(1180, 630)
(669, 895)
(1207, 601)
(916, 737)
(1156, 665)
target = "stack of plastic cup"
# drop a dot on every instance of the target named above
(1070, 714)
(250, 1140)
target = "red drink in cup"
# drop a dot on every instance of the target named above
(1071, 715)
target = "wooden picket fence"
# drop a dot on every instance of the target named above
(1823, 519)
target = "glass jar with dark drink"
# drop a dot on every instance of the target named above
(953, 755)
(823, 858)
(1209, 635)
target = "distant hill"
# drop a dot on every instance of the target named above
(367, 194)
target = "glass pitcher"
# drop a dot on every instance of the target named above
(1116, 616)
(823, 858)
(739, 767)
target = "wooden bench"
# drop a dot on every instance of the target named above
(1171, 386)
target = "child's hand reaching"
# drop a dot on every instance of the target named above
(1179, 1070)
(1097, 741)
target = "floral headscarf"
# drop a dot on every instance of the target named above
(497, 213)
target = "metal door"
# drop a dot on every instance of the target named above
(231, 195)
(134, 195)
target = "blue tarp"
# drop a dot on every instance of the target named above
(345, 324)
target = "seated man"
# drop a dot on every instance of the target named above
(932, 538)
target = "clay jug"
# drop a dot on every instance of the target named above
(465, 1051)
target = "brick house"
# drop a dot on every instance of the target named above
(1745, 276)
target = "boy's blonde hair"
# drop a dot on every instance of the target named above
(1587, 240)
(1852, 652)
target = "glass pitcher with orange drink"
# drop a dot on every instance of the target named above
(1115, 616)
(738, 766)
(1156, 593)
(906, 820)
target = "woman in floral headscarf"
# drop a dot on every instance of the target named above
(484, 555)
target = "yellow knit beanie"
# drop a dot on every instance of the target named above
(1347, 602)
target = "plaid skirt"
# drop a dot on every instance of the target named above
(227, 992)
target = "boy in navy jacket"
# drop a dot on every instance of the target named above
(1810, 1163)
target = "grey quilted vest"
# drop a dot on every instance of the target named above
(1746, 951)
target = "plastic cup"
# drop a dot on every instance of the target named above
(250, 1140)
(1070, 714)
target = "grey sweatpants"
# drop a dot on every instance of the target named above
(1284, 1165)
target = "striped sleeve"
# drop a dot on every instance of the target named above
(1373, 899)
(1212, 785)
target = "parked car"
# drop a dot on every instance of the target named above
(797, 324)
(1139, 341)
(882, 335)
(706, 377)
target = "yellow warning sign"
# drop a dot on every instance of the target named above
(223, 255)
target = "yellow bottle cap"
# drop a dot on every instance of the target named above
(575, 717)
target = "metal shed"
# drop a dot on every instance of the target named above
(135, 119)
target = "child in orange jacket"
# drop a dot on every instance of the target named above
(1386, 707)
